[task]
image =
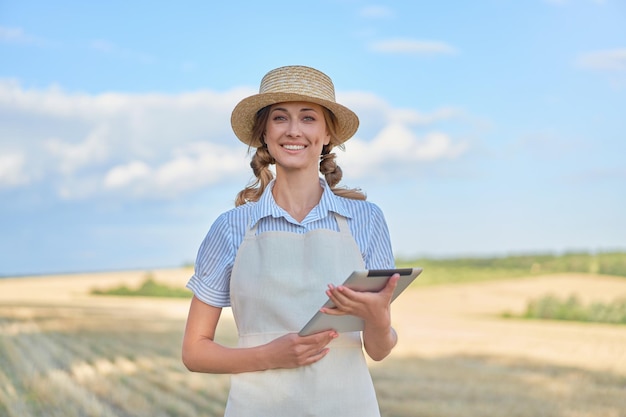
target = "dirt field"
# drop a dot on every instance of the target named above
(65, 352)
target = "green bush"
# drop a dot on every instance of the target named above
(451, 270)
(552, 308)
(149, 288)
(611, 263)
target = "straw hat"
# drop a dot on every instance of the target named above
(292, 83)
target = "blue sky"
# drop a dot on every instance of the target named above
(487, 128)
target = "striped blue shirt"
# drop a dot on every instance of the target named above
(211, 280)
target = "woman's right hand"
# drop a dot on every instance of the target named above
(293, 351)
(202, 354)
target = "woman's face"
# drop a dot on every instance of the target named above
(295, 134)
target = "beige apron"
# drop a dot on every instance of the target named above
(277, 283)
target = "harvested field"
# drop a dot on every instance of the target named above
(64, 352)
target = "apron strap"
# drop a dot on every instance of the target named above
(342, 223)
(251, 231)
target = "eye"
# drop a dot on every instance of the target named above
(309, 118)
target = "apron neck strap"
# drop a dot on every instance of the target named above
(342, 223)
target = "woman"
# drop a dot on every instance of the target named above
(272, 257)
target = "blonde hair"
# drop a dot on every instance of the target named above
(262, 160)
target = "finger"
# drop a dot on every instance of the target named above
(321, 339)
(333, 311)
(340, 303)
(341, 296)
(331, 293)
(318, 349)
(316, 357)
(327, 337)
(391, 285)
(337, 308)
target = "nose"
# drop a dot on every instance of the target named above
(293, 130)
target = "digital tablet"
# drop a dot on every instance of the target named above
(372, 280)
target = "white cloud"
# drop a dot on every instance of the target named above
(14, 35)
(376, 12)
(162, 146)
(121, 176)
(207, 165)
(199, 165)
(412, 46)
(396, 145)
(11, 34)
(438, 145)
(18, 36)
(102, 46)
(72, 157)
(417, 118)
(606, 60)
(76, 140)
(375, 113)
(12, 170)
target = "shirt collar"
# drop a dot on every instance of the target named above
(266, 206)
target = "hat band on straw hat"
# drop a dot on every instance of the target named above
(292, 83)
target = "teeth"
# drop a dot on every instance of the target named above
(293, 147)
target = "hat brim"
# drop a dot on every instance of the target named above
(244, 113)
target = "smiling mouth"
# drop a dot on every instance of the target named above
(294, 147)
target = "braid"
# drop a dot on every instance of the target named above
(329, 168)
(260, 163)
(260, 167)
(333, 174)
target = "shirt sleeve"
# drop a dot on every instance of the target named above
(210, 282)
(379, 254)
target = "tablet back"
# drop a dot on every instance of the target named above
(372, 280)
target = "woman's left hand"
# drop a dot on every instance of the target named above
(372, 307)
(375, 310)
